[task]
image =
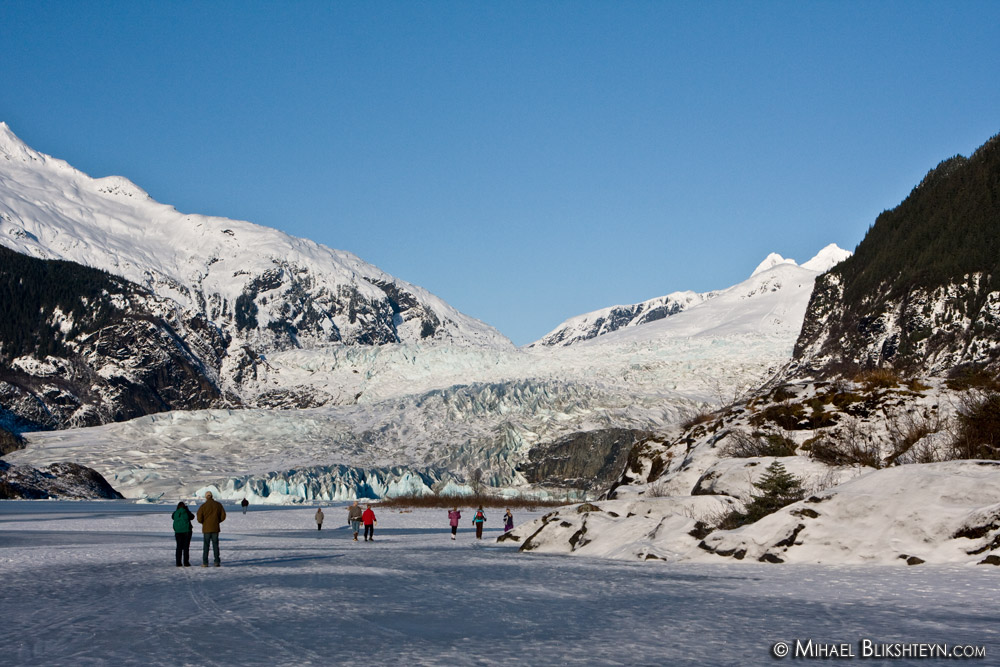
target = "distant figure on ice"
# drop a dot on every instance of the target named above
(368, 518)
(245, 504)
(508, 521)
(210, 515)
(478, 522)
(182, 533)
(319, 518)
(354, 518)
(453, 517)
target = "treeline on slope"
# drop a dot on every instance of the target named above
(920, 293)
(947, 228)
(33, 290)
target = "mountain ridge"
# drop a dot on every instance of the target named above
(607, 320)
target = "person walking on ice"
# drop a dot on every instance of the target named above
(453, 517)
(508, 521)
(319, 518)
(354, 519)
(210, 515)
(478, 522)
(368, 518)
(245, 504)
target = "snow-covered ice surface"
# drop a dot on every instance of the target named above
(93, 583)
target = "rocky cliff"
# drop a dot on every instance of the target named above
(80, 347)
(922, 292)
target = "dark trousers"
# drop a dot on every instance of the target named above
(454, 529)
(213, 539)
(183, 552)
(369, 531)
(479, 530)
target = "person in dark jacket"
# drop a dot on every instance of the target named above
(245, 504)
(182, 533)
(210, 515)
(478, 520)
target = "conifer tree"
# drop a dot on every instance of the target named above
(778, 488)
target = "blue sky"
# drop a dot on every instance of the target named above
(526, 161)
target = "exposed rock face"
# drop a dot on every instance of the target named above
(83, 348)
(10, 442)
(922, 291)
(588, 460)
(67, 481)
(604, 321)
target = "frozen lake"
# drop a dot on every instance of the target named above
(91, 583)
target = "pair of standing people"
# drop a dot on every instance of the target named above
(355, 517)
(210, 515)
(479, 520)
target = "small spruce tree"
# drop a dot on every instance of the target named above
(776, 488)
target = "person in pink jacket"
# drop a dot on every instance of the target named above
(453, 517)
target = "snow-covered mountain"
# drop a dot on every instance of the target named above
(262, 288)
(775, 274)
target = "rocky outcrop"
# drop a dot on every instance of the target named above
(62, 481)
(589, 460)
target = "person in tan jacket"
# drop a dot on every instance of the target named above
(210, 515)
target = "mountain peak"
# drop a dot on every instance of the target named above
(12, 148)
(827, 258)
(771, 261)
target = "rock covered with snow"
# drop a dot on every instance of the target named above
(934, 513)
(941, 513)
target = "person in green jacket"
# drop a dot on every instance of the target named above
(182, 533)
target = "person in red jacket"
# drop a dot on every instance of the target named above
(368, 518)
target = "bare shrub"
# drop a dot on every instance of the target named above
(906, 430)
(828, 480)
(849, 446)
(977, 426)
(741, 445)
(485, 500)
(973, 377)
(658, 489)
(925, 451)
(695, 420)
(878, 378)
